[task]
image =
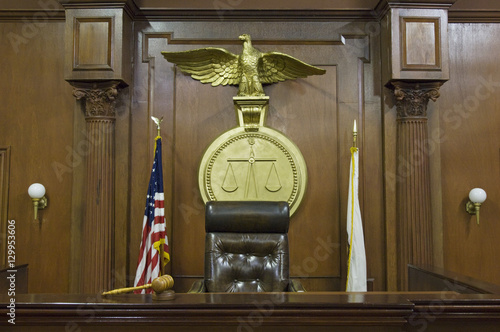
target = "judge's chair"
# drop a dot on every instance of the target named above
(246, 248)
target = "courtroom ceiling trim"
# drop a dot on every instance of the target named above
(470, 11)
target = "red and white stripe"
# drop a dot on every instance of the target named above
(148, 267)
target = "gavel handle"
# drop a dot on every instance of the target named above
(126, 290)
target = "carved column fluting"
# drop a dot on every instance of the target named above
(413, 177)
(98, 240)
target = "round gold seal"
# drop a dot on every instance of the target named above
(253, 165)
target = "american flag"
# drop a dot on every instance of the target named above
(153, 228)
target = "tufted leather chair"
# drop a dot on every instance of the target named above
(246, 248)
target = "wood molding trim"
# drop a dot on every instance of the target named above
(42, 15)
(318, 311)
(252, 14)
(455, 16)
(128, 6)
(32, 15)
(425, 56)
(474, 16)
(100, 56)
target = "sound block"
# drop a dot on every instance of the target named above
(164, 296)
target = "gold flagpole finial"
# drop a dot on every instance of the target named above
(355, 135)
(157, 121)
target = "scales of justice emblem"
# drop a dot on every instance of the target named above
(250, 161)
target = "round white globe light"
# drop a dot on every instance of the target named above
(36, 190)
(477, 195)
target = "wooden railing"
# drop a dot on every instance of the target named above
(429, 278)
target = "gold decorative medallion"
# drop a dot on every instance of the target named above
(251, 161)
(244, 165)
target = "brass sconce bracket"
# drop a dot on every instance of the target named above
(473, 208)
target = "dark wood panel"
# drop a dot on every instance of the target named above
(123, 178)
(470, 143)
(431, 278)
(316, 113)
(306, 111)
(37, 122)
(313, 284)
(370, 143)
(282, 311)
(322, 311)
(159, 91)
(98, 45)
(420, 43)
(92, 38)
(201, 115)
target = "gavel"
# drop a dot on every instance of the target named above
(159, 285)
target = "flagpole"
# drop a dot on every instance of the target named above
(357, 257)
(158, 136)
(355, 135)
(351, 179)
(162, 259)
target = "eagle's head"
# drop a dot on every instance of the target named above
(244, 37)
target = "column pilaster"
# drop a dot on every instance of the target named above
(413, 194)
(98, 37)
(98, 224)
(415, 63)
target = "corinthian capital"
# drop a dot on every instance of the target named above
(99, 97)
(412, 98)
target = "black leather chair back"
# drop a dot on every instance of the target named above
(246, 246)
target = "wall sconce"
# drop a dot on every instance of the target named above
(476, 196)
(37, 194)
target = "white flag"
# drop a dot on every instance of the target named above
(356, 265)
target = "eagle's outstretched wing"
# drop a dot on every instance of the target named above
(276, 67)
(208, 65)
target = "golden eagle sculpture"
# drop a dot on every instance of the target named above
(249, 70)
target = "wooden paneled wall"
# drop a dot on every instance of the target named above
(41, 127)
(36, 122)
(317, 113)
(469, 140)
